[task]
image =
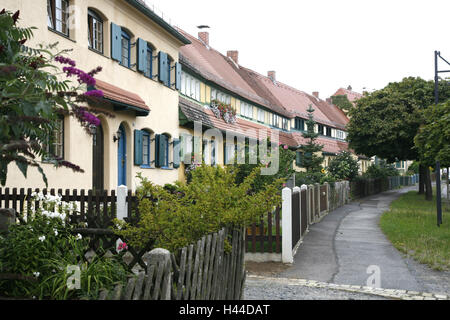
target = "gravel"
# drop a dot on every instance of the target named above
(257, 289)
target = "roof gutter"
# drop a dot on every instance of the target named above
(163, 24)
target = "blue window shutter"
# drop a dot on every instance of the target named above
(178, 76)
(141, 55)
(158, 150)
(116, 42)
(162, 67)
(161, 150)
(138, 159)
(176, 153)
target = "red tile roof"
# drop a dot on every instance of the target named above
(351, 95)
(118, 94)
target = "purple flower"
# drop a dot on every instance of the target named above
(94, 93)
(83, 77)
(64, 60)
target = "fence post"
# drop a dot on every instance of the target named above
(7, 217)
(297, 189)
(122, 206)
(286, 225)
(161, 256)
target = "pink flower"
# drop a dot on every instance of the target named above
(285, 147)
(122, 246)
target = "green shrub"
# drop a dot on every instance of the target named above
(211, 200)
(382, 170)
(343, 166)
(39, 251)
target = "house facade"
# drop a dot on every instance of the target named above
(162, 84)
(138, 52)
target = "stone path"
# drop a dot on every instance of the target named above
(348, 251)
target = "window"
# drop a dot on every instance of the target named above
(169, 71)
(328, 133)
(320, 129)
(125, 49)
(55, 145)
(58, 15)
(190, 86)
(275, 120)
(246, 110)
(261, 115)
(299, 124)
(284, 123)
(149, 65)
(219, 95)
(340, 134)
(95, 31)
(162, 151)
(146, 143)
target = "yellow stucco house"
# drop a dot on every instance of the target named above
(138, 52)
(158, 82)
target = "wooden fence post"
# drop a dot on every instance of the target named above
(122, 206)
(286, 225)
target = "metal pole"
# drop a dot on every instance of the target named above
(438, 167)
(438, 193)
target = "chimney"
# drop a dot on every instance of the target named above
(271, 75)
(316, 94)
(234, 55)
(204, 37)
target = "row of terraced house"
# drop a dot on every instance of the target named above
(160, 81)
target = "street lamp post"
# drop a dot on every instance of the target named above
(437, 55)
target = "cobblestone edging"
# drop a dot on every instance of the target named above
(387, 293)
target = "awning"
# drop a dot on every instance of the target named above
(123, 99)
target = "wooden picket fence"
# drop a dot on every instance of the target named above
(204, 271)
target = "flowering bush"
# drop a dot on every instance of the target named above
(35, 254)
(224, 111)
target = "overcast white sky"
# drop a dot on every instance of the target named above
(322, 45)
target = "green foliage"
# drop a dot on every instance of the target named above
(32, 98)
(285, 165)
(308, 178)
(342, 102)
(413, 168)
(40, 250)
(381, 170)
(212, 200)
(385, 122)
(343, 166)
(410, 225)
(311, 160)
(433, 138)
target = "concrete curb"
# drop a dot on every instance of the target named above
(387, 293)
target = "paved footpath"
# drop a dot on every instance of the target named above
(347, 247)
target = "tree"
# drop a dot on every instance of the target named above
(32, 98)
(433, 139)
(342, 102)
(385, 122)
(311, 160)
(343, 166)
(285, 167)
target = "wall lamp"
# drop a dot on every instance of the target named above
(117, 136)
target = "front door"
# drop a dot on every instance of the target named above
(122, 157)
(97, 159)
